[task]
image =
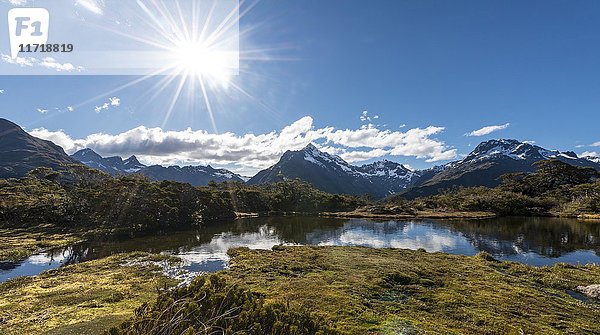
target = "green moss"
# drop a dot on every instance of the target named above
(372, 291)
(18, 244)
(86, 298)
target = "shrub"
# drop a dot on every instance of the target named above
(210, 305)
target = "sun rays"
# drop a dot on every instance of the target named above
(197, 45)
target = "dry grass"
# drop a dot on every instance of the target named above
(18, 244)
(371, 291)
(86, 298)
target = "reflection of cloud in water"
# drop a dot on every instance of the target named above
(429, 243)
(393, 234)
(216, 249)
(535, 241)
(48, 258)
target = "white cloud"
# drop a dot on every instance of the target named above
(92, 5)
(51, 63)
(365, 116)
(595, 144)
(112, 102)
(1, 91)
(17, 2)
(57, 137)
(21, 61)
(357, 156)
(47, 62)
(251, 151)
(70, 108)
(487, 130)
(99, 109)
(42, 110)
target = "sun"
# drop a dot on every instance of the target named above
(195, 47)
(196, 59)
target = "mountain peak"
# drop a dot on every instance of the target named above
(132, 160)
(311, 149)
(333, 174)
(86, 153)
(501, 142)
(510, 148)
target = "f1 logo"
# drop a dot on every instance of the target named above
(27, 26)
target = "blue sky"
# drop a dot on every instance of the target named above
(531, 67)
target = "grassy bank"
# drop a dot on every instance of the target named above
(345, 290)
(18, 244)
(387, 291)
(86, 298)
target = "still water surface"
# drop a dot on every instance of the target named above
(533, 241)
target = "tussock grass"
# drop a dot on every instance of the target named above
(377, 291)
(86, 298)
(18, 244)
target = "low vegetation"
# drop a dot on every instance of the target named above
(87, 298)
(556, 188)
(391, 291)
(95, 200)
(357, 290)
(17, 244)
(287, 196)
(211, 305)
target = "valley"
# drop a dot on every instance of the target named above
(510, 217)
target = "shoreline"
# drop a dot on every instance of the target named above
(31, 241)
(335, 282)
(418, 216)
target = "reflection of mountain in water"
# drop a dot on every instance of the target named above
(393, 234)
(550, 237)
(527, 240)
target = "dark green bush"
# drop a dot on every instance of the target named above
(210, 305)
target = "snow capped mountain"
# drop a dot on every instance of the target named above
(195, 175)
(332, 174)
(323, 159)
(112, 165)
(595, 159)
(519, 151)
(516, 150)
(509, 148)
(487, 162)
(396, 176)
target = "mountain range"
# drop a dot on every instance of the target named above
(487, 162)
(332, 174)
(195, 175)
(21, 152)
